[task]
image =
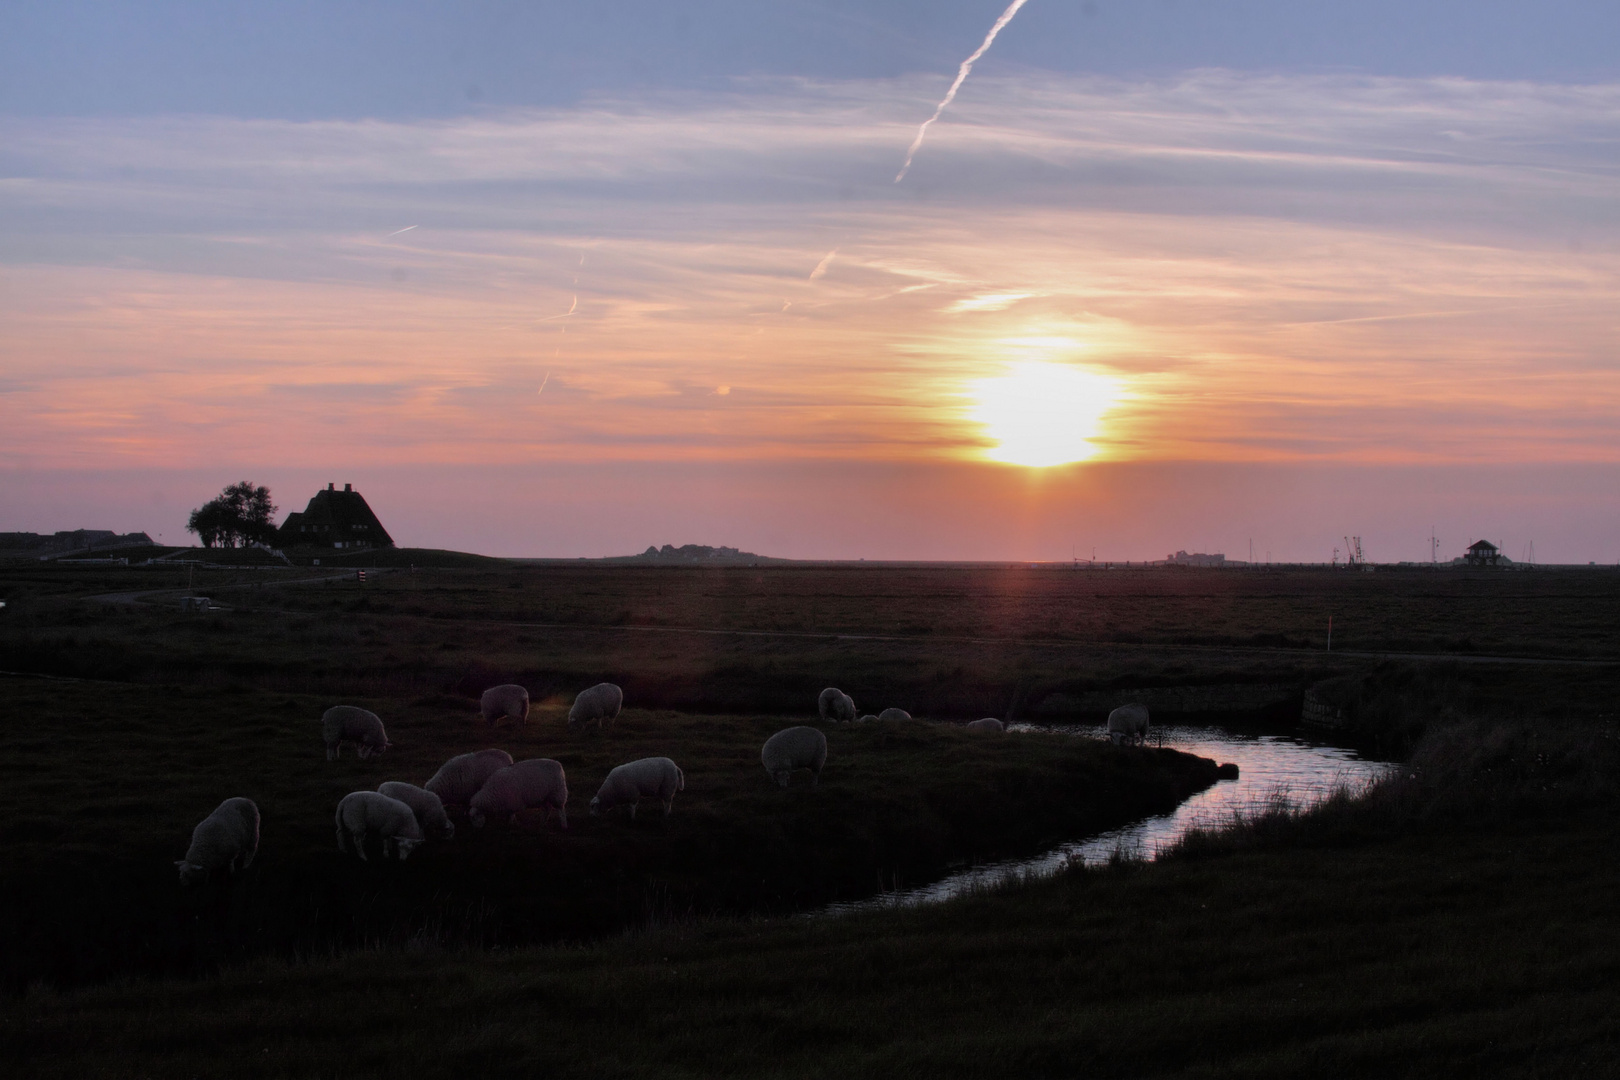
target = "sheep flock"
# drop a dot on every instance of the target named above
(492, 789)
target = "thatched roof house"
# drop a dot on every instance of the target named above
(334, 519)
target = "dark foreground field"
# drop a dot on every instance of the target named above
(106, 781)
(1437, 938)
(1459, 922)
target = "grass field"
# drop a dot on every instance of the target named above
(1461, 922)
(1435, 951)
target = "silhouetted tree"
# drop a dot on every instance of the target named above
(238, 515)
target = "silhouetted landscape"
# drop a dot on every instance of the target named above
(1374, 925)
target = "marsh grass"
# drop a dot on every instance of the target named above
(1458, 920)
(108, 779)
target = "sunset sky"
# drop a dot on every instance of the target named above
(559, 280)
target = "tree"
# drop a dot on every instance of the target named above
(238, 515)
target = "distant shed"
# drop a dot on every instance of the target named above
(1482, 553)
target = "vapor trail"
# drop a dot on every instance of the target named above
(821, 267)
(571, 309)
(396, 232)
(961, 76)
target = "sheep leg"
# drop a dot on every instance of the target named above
(331, 753)
(633, 809)
(669, 804)
(343, 841)
(562, 815)
(359, 840)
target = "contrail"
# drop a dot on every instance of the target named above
(543, 382)
(821, 267)
(396, 232)
(961, 76)
(571, 309)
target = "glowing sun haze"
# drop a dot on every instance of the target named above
(1041, 413)
(1111, 304)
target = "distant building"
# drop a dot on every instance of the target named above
(69, 543)
(334, 519)
(1482, 553)
(1197, 558)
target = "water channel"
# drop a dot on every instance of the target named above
(1302, 767)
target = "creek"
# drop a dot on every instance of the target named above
(1302, 768)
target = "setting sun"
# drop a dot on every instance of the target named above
(1042, 414)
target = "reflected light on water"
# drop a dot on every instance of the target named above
(1296, 767)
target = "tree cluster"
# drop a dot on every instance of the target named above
(238, 516)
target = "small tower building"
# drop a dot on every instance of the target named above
(1482, 553)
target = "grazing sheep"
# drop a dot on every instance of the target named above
(535, 783)
(349, 724)
(459, 779)
(427, 807)
(1128, 724)
(225, 840)
(651, 777)
(509, 699)
(867, 719)
(795, 748)
(989, 723)
(894, 714)
(367, 813)
(601, 703)
(835, 705)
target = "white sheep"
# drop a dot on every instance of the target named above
(369, 813)
(835, 705)
(651, 777)
(226, 839)
(427, 807)
(524, 785)
(508, 699)
(867, 719)
(794, 748)
(894, 714)
(601, 703)
(989, 723)
(350, 724)
(1128, 724)
(459, 779)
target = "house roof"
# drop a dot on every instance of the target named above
(334, 515)
(1481, 545)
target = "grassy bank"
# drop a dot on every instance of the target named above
(1462, 928)
(107, 781)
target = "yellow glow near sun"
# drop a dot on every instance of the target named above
(1043, 414)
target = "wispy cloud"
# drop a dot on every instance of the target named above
(1333, 267)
